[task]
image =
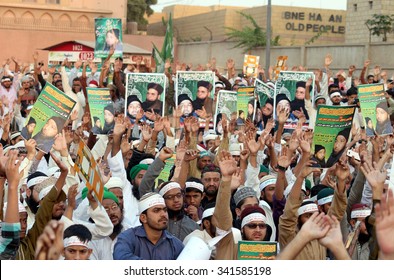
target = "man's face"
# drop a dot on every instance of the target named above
(320, 101)
(248, 202)
(26, 84)
(59, 85)
(77, 252)
(155, 218)
(193, 198)
(339, 144)
(174, 199)
(138, 178)
(152, 95)
(351, 98)
(336, 100)
(23, 222)
(133, 108)
(113, 210)
(119, 195)
(76, 86)
(7, 84)
(370, 80)
(267, 109)
(110, 38)
(305, 217)
(108, 116)
(50, 129)
(202, 92)
(268, 193)
(300, 93)
(320, 155)
(211, 181)
(98, 123)
(204, 161)
(255, 231)
(57, 77)
(325, 207)
(187, 107)
(30, 127)
(58, 210)
(381, 115)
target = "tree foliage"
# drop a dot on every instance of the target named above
(250, 37)
(136, 10)
(381, 25)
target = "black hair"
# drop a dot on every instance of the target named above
(78, 230)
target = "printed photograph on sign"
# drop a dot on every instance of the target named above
(226, 105)
(251, 64)
(108, 32)
(102, 110)
(290, 90)
(198, 88)
(246, 103)
(47, 117)
(374, 109)
(146, 92)
(331, 133)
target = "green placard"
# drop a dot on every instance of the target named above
(165, 172)
(263, 91)
(48, 116)
(226, 104)
(246, 102)
(374, 109)
(108, 32)
(332, 122)
(102, 110)
(257, 250)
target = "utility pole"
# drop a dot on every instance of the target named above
(268, 41)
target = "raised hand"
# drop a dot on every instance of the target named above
(227, 164)
(244, 155)
(384, 213)
(63, 168)
(375, 177)
(165, 153)
(283, 115)
(308, 169)
(284, 160)
(60, 143)
(253, 145)
(294, 142)
(236, 179)
(333, 237)
(12, 168)
(159, 124)
(146, 132)
(328, 60)
(315, 227)
(30, 148)
(190, 155)
(50, 242)
(119, 128)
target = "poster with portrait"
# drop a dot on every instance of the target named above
(290, 94)
(108, 34)
(263, 91)
(102, 111)
(250, 66)
(47, 117)
(145, 91)
(226, 105)
(198, 88)
(331, 134)
(246, 103)
(280, 65)
(87, 168)
(374, 109)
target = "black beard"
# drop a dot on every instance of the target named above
(118, 228)
(33, 205)
(175, 214)
(363, 238)
(135, 192)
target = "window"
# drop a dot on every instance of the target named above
(355, 7)
(52, 1)
(29, 1)
(370, 4)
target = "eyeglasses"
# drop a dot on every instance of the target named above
(253, 226)
(172, 197)
(113, 207)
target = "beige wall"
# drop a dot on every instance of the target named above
(287, 22)
(357, 30)
(312, 57)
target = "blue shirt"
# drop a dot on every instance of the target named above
(133, 244)
(9, 240)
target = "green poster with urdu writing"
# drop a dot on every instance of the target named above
(147, 91)
(332, 132)
(246, 103)
(102, 110)
(374, 109)
(257, 250)
(48, 116)
(108, 33)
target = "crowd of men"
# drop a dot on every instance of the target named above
(248, 180)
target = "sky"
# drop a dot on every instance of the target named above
(324, 4)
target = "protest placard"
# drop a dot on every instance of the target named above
(108, 34)
(47, 117)
(257, 250)
(102, 110)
